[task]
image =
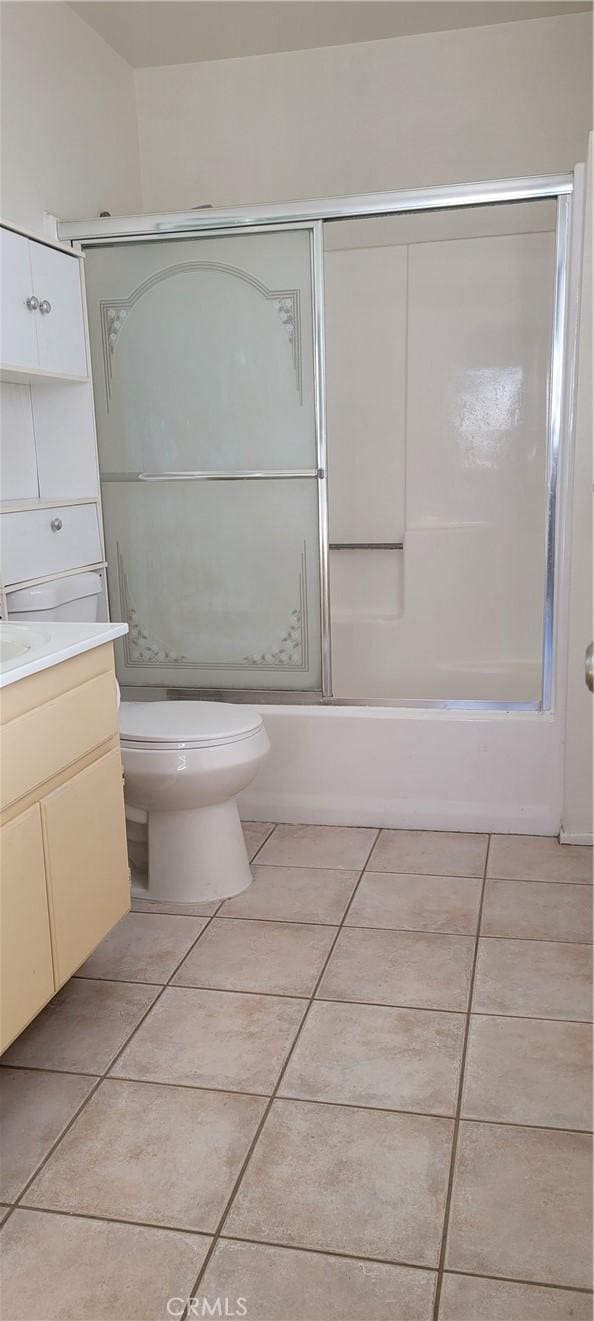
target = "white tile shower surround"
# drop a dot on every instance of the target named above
(384, 323)
(361, 1091)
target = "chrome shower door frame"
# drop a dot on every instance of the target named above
(311, 215)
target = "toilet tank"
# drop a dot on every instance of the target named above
(75, 598)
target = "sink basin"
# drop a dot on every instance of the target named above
(17, 640)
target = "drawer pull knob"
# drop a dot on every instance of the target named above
(32, 303)
(45, 307)
(56, 525)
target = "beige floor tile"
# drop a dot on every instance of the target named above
(417, 903)
(56, 1268)
(213, 1039)
(401, 1059)
(35, 1108)
(537, 911)
(143, 948)
(319, 846)
(158, 906)
(294, 894)
(279, 958)
(533, 979)
(529, 1071)
(430, 852)
(255, 833)
(399, 968)
(160, 1155)
(464, 1298)
(82, 1029)
(289, 1285)
(521, 1205)
(538, 858)
(366, 1182)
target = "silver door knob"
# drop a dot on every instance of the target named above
(32, 303)
(45, 307)
(56, 525)
(590, 667)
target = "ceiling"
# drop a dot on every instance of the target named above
(156, 32)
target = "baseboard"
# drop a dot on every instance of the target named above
(574, 837)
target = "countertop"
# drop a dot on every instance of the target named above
(52, 643)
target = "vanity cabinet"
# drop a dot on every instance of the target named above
(86, 861)
(27, 968)
(64, 879)
(42, 310)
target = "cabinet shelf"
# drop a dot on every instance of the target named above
(35, 376)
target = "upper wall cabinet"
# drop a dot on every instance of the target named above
(42, 311)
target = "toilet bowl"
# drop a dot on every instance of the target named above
(184, 763)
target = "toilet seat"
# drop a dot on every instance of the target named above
(170, 725)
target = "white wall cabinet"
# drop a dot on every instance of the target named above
(50, 516)
(56, 282)
(42, 311)
(19, 330)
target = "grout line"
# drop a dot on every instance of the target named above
(386, 871)
(440, 1009)
(168, 912)
(259, 848)
(352, 926)
(450, 1185)
(414, 931)
(410, 1265)
(311, 1000)
(253, 1144)
(298, 1247)
(113, 1060)
(537, 940)
(309, 1100)
(109, 1220)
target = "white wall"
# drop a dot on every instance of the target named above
(69, 132)
(477, 103)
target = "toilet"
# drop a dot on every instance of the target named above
(184, 763)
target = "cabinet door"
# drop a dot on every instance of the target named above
(87, 861)
(60, 331)
(27, 974)
(19, 323)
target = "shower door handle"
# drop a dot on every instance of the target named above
(590, 667)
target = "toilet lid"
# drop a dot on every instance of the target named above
(187, 724)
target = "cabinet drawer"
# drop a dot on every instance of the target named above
(87, 861)
(46, 740)
(27, 972)
(32, 548)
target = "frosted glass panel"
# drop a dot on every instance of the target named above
(202, 351)
(203, 358)
(218, 581)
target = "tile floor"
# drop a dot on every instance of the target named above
(360, 1091)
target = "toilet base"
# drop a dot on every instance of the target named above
(197, 856)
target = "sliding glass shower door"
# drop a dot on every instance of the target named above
(208, 417)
